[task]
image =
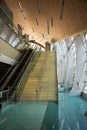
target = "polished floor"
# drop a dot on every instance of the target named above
(68, 114)
(71, 112)
(30, 116)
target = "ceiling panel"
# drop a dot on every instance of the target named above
(43, 16)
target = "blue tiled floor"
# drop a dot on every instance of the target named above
(71, 112)
(68, 114)
(50, 121)
(30, 116)
(23, 116)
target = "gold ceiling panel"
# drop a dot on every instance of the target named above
(41, 18)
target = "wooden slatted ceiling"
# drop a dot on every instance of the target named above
(74, 20)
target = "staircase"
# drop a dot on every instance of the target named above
(42, 81)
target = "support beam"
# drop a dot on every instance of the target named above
(33, 41)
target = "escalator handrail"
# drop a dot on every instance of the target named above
(20, 74)
(18, 78)
(14, 70)
(18, 88)
(9, 69)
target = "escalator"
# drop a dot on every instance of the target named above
(7, 69)
(3, 69)
(14, 75)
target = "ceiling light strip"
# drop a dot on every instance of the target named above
(33, 29)
(37, 21)
(52, 21)
(22, 11)
(61, 11)
(43, 35)
(20, 6)
(24, 16)
(48, 27)
(38, 6)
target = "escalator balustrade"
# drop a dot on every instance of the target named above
(13, 76)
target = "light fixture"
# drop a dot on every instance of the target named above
(43, 35)
(52, 21)
(38, 6)
(48, 27)
(22, 11)
(61, 11)
(20, 5)
(24, 16)
(37, 21)
(33, 29)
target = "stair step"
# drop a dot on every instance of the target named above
(43, 78)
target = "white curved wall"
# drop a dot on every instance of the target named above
(71, 70)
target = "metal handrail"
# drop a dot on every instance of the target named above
(2, 92)
(20, 74)
(20, 86)
(10, 68)
(14, 70)
(18, 78)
